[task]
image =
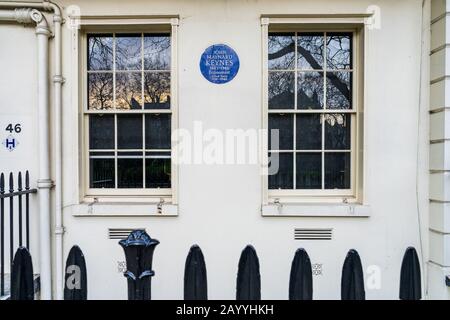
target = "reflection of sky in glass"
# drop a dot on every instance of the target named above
(339, 90)
(130, 63)
(157, 90)
(128, 52)
(318, 136)
(128, 90)
(156, 52)
(310, 51)
(100, 52)
(339, 51)
(142, 73)
(100, 87)
(281, 51)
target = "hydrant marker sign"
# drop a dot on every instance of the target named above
(219, 63)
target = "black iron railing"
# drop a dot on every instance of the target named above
(14, 195)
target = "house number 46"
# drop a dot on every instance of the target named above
(16, 128)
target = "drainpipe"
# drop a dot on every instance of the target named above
(58, 80)
(26, 16)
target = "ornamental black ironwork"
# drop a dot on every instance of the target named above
(139, 248)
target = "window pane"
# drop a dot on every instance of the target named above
(281, 90)
(157, 131)
(157, 52)
(156, 90)
(128, 90)
(281, 51)
(309, 170)
(100, 52)
(129, 131)
(309, 132)
(283, 178)
(101, 131)
(310, 51)
(337, 131)
(337, 170)
(101, 172)
(339, 93)
(157, 170)
(128, 52)
(100, 91)
(129, 172)
(339, 50)
(285, 124)
(310, 90)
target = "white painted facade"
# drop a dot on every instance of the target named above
(219, 207)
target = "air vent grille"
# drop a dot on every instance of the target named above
(313, 234)
(120, 233)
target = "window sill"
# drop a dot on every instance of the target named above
(315, 210)
(120, 209)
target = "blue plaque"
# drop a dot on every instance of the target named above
(219, 63)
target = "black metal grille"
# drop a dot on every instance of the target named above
(14, 196)
(313, 234)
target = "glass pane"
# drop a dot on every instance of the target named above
(339, 50)
(310, 51)
(101, 131)
(339, 93)
(100, 52)
(281, 51)
(101, 172)
(283, 177)
(129, 172)
(129, 131)
(285, 125)
(310, 90)
(128, 90)
(281, 90)
(337, 170)
(157, 52)
(100, 91)
(157, 131)
(337, 131)
(128, 52)
(156, 90)
(309, 132)
(157, 170)
(309, 170)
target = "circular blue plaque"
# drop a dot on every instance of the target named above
(219, 63)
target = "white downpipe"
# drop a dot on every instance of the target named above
(44, 182)
(58, 80)
(28, 15)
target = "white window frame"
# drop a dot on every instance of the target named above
(120, 24)
(357, 24)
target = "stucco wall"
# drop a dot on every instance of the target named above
(219, 206)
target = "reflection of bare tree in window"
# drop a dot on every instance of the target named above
(128, 90)
(156, 52)
(157, 90)
(311, 50)
(128, 52)
(281, 90)
(338, 51)
(100, 53)
(100, 90)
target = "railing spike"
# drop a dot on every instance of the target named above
(11, 182)
(19, 182)
(2, 183)
(27, 180)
